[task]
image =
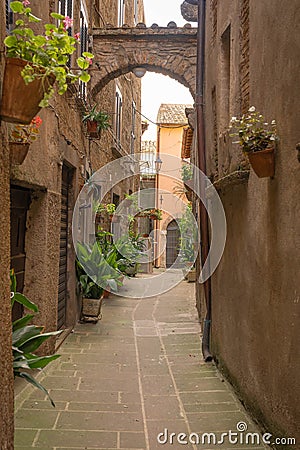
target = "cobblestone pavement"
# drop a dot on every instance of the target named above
(135, 374)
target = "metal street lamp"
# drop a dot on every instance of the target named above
(158, 163)
(139, 72)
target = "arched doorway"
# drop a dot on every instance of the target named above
(173, 236)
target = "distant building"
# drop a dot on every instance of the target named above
(171, 125)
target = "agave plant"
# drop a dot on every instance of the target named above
(26, 339)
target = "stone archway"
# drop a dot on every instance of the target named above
(169, 51)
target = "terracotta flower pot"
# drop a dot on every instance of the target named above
(263, 162)
(106, 293)
(91, 307)
(18, 152)
(92, 128)
(20, 101)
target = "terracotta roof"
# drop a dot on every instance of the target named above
(172, 114)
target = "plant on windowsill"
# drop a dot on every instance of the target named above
(96, 121)
(257, 139)
(26, 339)
(109, 208)
(20, 137)
(154, 214)
(34, 62)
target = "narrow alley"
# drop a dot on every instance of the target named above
(134, 375)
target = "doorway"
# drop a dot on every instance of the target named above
(173, 235)
(63, 256)
(20, 201)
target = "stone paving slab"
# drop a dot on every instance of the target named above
(122, 382)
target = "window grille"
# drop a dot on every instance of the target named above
(118, 115)
(121, 13)
(8, 15)
(133, 126)
(84, 46)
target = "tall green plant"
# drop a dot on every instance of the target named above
(188, 236)
(103, 273)
(26, 339)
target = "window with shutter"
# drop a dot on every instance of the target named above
(121, 13)
(84, 46)
(8, 15)
(245, 55)
(136, 11)
(65, 7)
(133, 126)
(118, 115)
(214, 20)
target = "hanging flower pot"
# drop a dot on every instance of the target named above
(20, 101)
(92, 128)
(263, 162)
(18, 152)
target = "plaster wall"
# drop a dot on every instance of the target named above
(169, 142)
(255, 289)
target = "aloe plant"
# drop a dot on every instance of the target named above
(26, 339)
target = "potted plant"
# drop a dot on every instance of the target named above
(188, 239)
(35, 61)
(20, 138)
(26, 339)
(129, 248)
(104, 276)
(111, 209)
(257, 139)
(96, 121)
(155, 214)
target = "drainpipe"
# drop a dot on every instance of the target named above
(204, 223)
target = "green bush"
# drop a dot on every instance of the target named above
(26, 339)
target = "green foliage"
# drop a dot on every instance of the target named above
(109, 208)
(47, 53)
(188, 236)
(253, 132)
(186, 172)
(102, 268)
(129, 248)
(101, 117)
(26, 339)
(157, 213)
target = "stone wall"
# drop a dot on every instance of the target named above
(62, 141)
(169, 51)
(6, 372)
(255, 289)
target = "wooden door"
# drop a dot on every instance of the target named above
(63, 258)
(20, 200)
(173, 235)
